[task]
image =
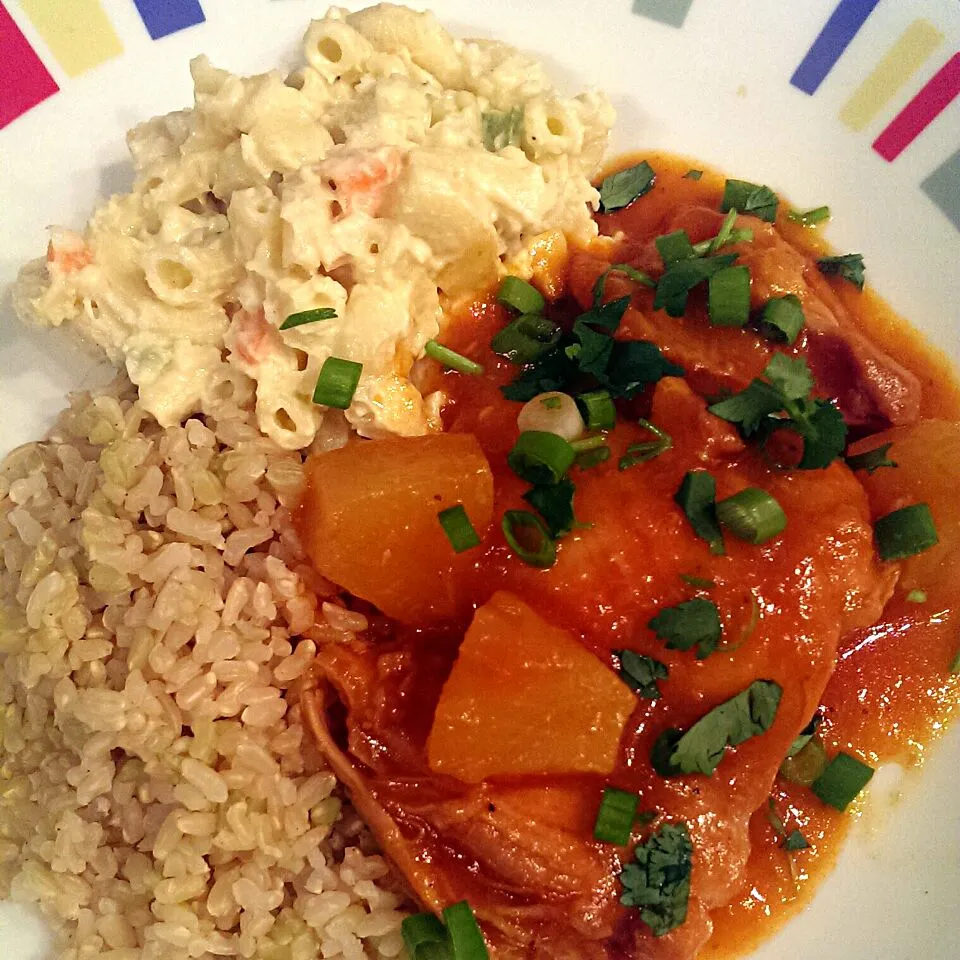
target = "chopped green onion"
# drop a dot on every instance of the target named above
(917, 596)
(526, 339)
(675, 246)
(794, 841)
(464, 932)
(955, 663)
(804, 766)
(593, 458)
(871, 460)
(701, 583)
(848, 266)
(724, 233)
(697, 499)
(521, 296)
(452, 359)
(458, 528)
(420, 932)
(782, 319)
(552, 402)
(810, 218)
(586, 444)
(337, 383)
(752, 515)
(746, 197)
(728, 297)
(842, 781)
(648, 449)
(681, 277)
(638, 276)
(693, 175)
(620, 189)
(618, 809)
(597, 407)
(540, 457)
(501, 129)
(805, 735)
(905, 532)
(740, 235)
(308, 316)
(536, 548)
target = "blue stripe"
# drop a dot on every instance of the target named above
(670, 12)
(163, 17)
(943, 188)
(843, 25)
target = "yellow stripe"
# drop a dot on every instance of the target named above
(77, 32)
(898, 65)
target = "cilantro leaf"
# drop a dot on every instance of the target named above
(697, 497)
(871, 460)
(634, 364)
(502, 129)
(620, 189)
(552, 371)
(658, 882)
(848, 266)
(595, 351)
(693, 175)
(701, 748)
(554, 502)
(750, 407)
(607, 316)
(752, 198)
(641, 673)
(682, 276)
(824, 434)
(790, 375)
(795, 840)
(805, 735)
(693, 623)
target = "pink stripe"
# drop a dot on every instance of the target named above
(24, 81)
(920, 112)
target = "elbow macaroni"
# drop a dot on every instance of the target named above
(360, 182)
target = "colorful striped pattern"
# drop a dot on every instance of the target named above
(163, 17)
(77, 33)
(912, 49)
(837, 33)
(921, 111)
(24, 80)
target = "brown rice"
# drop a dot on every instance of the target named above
(159, 797)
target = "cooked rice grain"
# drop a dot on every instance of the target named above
(159, 796)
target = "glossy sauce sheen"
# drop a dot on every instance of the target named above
(887, 698)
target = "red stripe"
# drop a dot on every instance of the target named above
(24, 80)
(920, 112)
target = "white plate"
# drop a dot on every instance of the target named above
(717, 89)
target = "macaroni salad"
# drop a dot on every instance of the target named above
(397, 171)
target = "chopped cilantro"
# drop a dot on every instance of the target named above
(701, 748)
(871, 460)
(781, 402)
(693, 623)
(805, 735)
(693, 175)
(633, 365)
(682, 276)
(620, 189)
(648, 449)
(847, 266)
(810, 218)
(795, 840)
(701, 583)
(502, 128)
(658, 881)
(697, 497)
(751, 198)
(641, 673)
(674, 246)
(638, 276)
(554, 502)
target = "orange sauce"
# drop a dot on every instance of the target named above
(891, 694)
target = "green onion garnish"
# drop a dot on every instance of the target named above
(458, 528)
(681, 277)
(648, 449)
(618, 809)
(693, 175)
(539, 457)
(848, 266)
(752, 515)
(697, 498)
(452, 359)
(842, 781)
(593, 458)
(526, 339)
(599, 412)
(529, 539)
(728, 297)
(308, 316)
(724, 233)
(466, 940)
(810, 218)
(519, 295)
(746, 197)
(782, 319)
(674, 246)
(420, 932)
(586, 444)
(804, 766)
(905, 532)
(871, 460)
(955, 663)
(620, 189)
(337, 383)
